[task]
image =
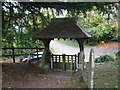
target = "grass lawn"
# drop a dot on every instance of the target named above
(73, 43)
(105, 76)
(68, 42)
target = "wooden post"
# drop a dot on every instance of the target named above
(82, 56)
(68, 62)
(81, 61)
(91, 69)
(37, 52)
(78, 61)
(64, 65)
(68, 59)
(71, 62)
(52, 62)
(75, 62)
(13, 54)
(56, 58)
(59, 59)
(49, 55)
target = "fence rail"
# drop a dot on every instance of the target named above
(64, 61)
(21, 48)
(19, 54)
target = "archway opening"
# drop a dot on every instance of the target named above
(64, 46)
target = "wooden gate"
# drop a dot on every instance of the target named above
(64, 62)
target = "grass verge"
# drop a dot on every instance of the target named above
(67, 42)
(105, 76)
(52, 50)
(73, 43)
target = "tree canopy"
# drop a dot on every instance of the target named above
(22, 20)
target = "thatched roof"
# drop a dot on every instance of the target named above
(62, 28)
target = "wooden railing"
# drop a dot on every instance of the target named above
(64, 60)
(13, 54)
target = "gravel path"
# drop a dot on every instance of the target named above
(60, 48)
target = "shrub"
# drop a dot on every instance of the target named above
(118, 55)
(103, 58)
(102, 32)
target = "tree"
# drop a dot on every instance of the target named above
(98, 25)
(22, 20)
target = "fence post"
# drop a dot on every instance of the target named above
(64, 65)
(13, 54)
(91, 69)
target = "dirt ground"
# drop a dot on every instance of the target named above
(21, 75)
(27, 76)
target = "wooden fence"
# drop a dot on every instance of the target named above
(13, 54)
(65, 62)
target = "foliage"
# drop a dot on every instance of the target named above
(68, 42)
(22, 20)
(103, 32)
(113, 55)
(73, 8)
(103, 58)
(98, 26)
(118, 55)
(20, 25)
(116, 38)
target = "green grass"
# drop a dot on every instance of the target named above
(113, 55)
(105, 76)
(72, 43)
(67, 42)
(52, 50)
